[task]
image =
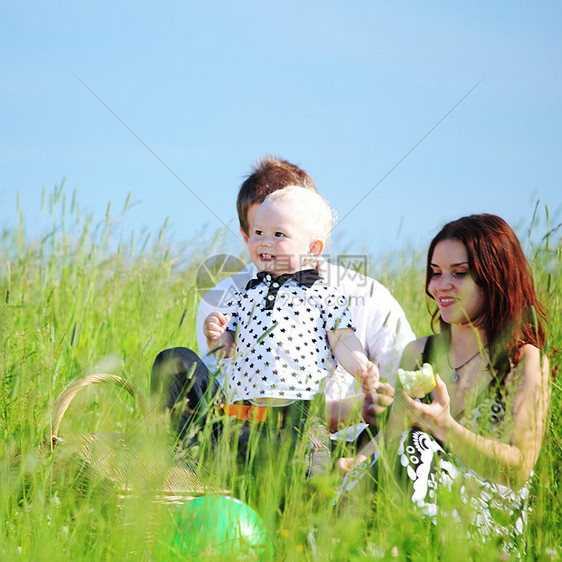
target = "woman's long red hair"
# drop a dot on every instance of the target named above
(512, 314)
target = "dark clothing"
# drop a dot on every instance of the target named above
(179, 374)
(191, 393)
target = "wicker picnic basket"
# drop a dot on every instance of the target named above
(126, 463)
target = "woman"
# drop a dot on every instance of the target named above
(481, 431)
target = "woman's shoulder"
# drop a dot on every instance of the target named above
(532, 370)
(532, 361)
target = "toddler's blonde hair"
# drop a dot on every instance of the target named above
(320, 216)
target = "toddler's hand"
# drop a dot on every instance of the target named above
(370, 378)
(214, 326)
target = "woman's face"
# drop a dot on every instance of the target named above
(457, 295)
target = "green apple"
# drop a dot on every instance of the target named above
(417, 383)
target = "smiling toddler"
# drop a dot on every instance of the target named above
(288, 328)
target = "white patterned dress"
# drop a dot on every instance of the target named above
(428, 471)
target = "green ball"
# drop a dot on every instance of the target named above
(219, 526)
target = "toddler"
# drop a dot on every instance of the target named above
(286, 331)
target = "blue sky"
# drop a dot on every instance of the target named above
(344, 88)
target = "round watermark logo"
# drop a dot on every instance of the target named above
(219, 277)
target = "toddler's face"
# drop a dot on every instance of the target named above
(280, 241)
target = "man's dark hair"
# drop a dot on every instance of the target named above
(268, 175)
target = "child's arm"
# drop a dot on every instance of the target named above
(351, 356)
(218, 337)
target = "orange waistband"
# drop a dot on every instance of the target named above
(246, 412)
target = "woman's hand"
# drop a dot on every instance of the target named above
(376, 403)
(435, 418)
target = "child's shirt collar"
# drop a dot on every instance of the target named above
(306, 277)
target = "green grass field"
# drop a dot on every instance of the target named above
(79, 300)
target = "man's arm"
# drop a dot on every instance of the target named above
(387, 335)
(338, 411)
(384, 331)
(381, 324)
